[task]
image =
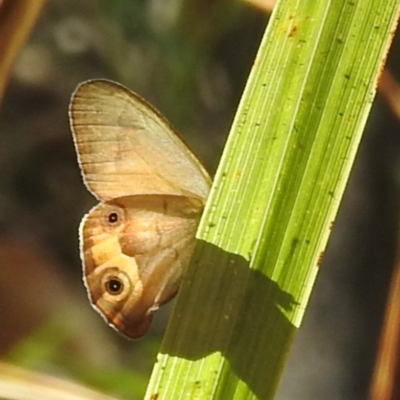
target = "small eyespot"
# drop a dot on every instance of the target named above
(113, 218)
(114, 285)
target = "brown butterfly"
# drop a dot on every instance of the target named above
(137, 241)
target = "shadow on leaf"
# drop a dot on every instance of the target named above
(224, 306)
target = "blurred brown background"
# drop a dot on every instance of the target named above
(191, 60)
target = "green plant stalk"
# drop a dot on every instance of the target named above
(274, 200)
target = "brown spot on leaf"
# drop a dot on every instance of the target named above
(320, 258)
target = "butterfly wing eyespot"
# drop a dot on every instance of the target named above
(114, 285)
(113, 218)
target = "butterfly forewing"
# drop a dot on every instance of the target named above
(126, 147)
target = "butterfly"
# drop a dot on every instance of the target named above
(136, 243)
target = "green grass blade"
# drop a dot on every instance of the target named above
(274, 199)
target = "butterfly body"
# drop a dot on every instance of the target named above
(137, 241)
